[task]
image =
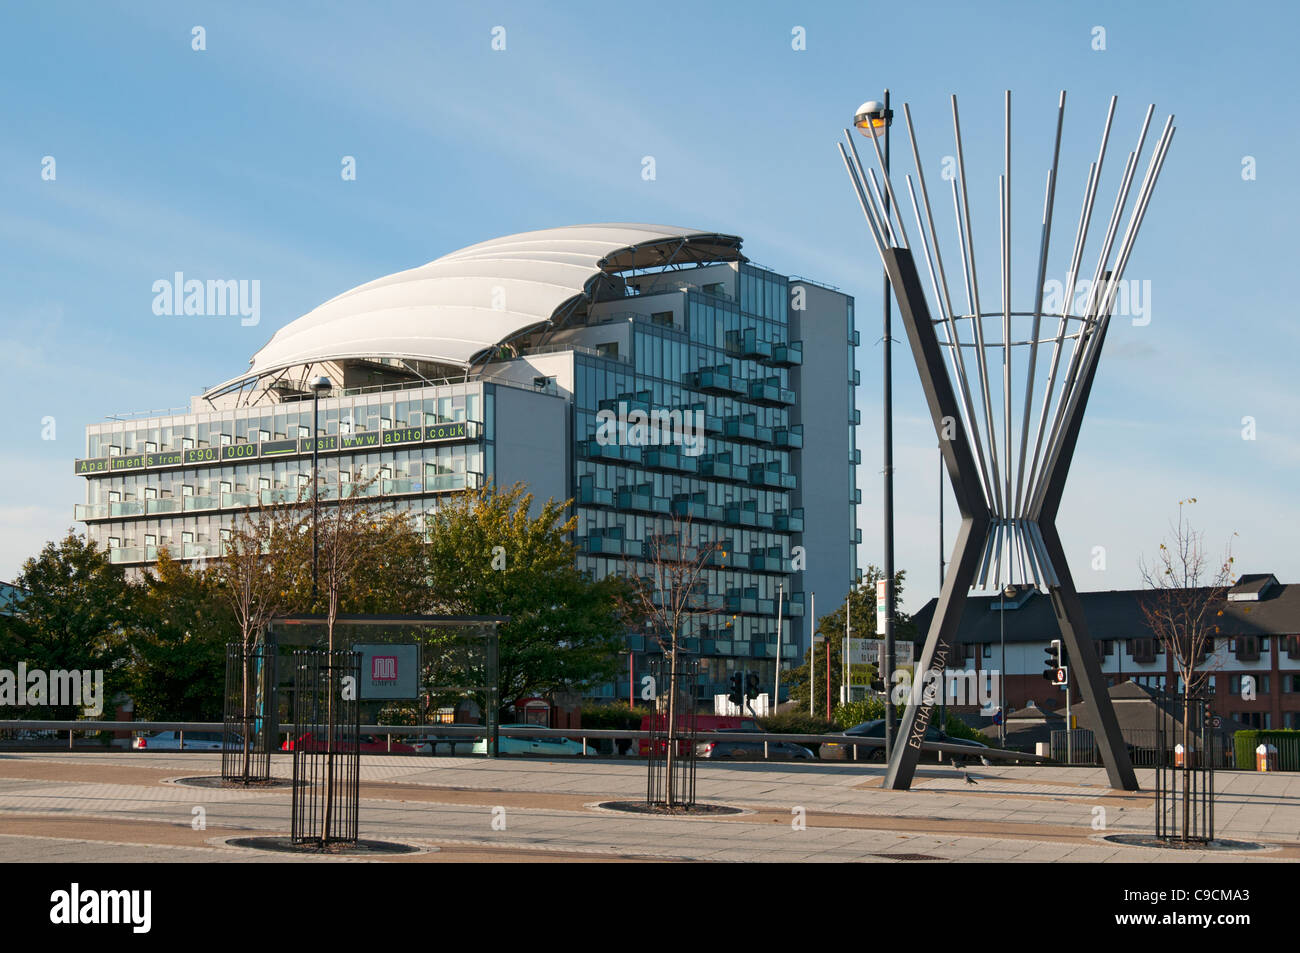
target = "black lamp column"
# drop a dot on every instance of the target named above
(318, 386)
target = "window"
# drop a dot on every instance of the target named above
(608, 349)
(988, 650)
(1247, 648)
(1142, 650)
(663, 318)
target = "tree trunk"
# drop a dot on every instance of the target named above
(671, 758)
(1187, 754)
(247, 725)
(327, 814)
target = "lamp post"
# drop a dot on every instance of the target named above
(873, 120)
(1008, 591)
(319, 385)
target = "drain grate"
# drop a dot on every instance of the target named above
(901, 856)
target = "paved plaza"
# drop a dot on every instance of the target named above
(126, 807)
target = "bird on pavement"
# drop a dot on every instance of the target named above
(969, 779)
(986, 762)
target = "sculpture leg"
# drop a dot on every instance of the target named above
(1100, 713)
(934, 656)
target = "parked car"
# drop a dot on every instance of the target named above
(370, 744)
(539, 746)
(171, 741)
(429, 743)
(702, 723)
(739, 750)
(840, 751)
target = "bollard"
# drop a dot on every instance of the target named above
(1266, 758)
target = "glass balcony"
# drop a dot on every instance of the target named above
(90, 511)
(766, 521)
(194, 503)
(696, 510)
(670, 458)
(791, 522)
(595, 496)
(127, 508)
(789, 438)
(787, 355)
(745, 430)
(281, 494)
(199, 550)
(604, 545)
(127, 554)
(168, 504)
(746, 344)
(404, 485)
(770, 392)
(443, 482)
(714, 381)
(236, 500)
(643, 500)
(742, 516)
(720, 468)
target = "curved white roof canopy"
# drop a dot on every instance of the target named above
(459, 306)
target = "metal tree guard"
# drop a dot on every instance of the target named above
(326, 747)
(1184, 792)
(1008, 497)
(246, 737)
(671, 778)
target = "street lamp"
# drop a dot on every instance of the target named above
(873, 120)
(319, 385)
(1008, 592)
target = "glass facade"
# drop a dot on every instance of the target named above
(717, 351)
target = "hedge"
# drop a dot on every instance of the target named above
(1286, 741)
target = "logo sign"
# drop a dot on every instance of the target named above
(882, 598)
(389, 671)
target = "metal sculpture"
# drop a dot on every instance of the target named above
(1009, 490)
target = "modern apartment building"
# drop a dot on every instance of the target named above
(648, 373)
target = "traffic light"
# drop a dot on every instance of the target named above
(736, 696)
(751, 685)
(1056, 671)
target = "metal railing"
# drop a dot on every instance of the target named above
(584, 735)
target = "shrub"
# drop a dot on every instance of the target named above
(613, 716)
(1287, 742)
(796, 723)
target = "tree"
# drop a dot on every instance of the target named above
(260, 576)
(487, 555)
(73, 616)
(666, 596)
(1188, 592)
(862, 617)
(178, 639)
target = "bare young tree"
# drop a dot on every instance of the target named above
(672, 591)
(258, 585)
(1188, 591)
(346, 541)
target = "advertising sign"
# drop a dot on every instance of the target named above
(389, 671)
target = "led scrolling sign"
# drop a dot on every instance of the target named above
(270, 449)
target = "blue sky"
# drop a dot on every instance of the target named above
(226, 163)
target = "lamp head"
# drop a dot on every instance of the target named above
(871, 119)
(320, 384)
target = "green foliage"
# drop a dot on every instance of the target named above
(73, 616)
(954, 727)
(1286, 740)
(488, 555)
(862, 616)
(846, 715)
(178, 642)
(797, 723)
(614, 716)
